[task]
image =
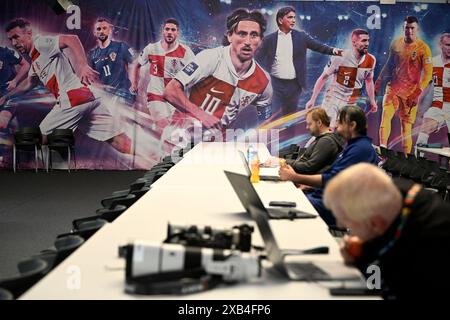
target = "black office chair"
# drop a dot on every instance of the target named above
(31, 271)
(107, 202)
(440, 182)
(104, 214)
(28, 139)
(85, 228)
(288, 151)
(63, 142)
(138, 188)
(127, 201)
(66, 246)
(111, 214)
(63, 248)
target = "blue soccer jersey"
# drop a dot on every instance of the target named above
(8, 59)
(111, 62)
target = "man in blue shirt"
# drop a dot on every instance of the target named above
(111, 59)
(353, 128)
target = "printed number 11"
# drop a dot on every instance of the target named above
(106, 70)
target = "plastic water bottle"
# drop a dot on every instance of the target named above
(253, 160)
(250, 151)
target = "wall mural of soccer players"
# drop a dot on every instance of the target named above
(136, 79)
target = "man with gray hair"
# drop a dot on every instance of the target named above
(396, 225)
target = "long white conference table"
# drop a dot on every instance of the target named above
(196, 192)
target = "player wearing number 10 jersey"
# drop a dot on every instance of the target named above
(224, 80)
(110, 59)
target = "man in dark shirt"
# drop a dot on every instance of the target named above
(352, 127)
(111, 59)
(322, 151)
(397, 226)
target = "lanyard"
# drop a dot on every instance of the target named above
(406, 211)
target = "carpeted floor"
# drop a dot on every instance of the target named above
(36, 207)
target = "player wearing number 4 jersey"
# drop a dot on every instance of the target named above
(76, 105)
(439, 112)
(166, 57)
(349, 72)
(224, 80)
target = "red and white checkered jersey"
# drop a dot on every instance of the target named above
(216, 87)
(441, 81)
(53, 68)
(164, 65)
(349, 75)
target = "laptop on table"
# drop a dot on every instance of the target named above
(299, 271)
(265, 173)
(248, 196)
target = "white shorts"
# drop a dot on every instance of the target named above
(442, 116)
(333, 107)
(93, 118)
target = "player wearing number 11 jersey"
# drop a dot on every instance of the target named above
(111, 59)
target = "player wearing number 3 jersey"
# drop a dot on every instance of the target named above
(165, 58)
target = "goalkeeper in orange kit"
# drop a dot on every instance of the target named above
(409, 69)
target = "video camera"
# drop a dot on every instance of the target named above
(150, 261)
(236, 238)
